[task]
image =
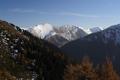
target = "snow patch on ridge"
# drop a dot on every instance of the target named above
(95, 29)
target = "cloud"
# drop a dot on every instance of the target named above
(26, 11)
(78, 15)
(41, 30)
(17, 10)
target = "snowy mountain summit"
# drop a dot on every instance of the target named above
(57, 35)
(68, 32)
(95, 29)
(41, 30)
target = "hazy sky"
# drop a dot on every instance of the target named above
(85, 13)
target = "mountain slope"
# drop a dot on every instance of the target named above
(98, 46)
(57, 40)
(24, 56)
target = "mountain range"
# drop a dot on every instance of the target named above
(98, 45)
(60, 35)
(26, 56)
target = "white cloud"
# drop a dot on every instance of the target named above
(41, 30)
(26, 11)
(24, 28)
(78, 15)
(17, 10)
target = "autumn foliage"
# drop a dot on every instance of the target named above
(86, 71)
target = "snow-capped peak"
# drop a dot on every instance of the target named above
(41, 30)
(71, 32)
(92, 30)
(95, 29)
